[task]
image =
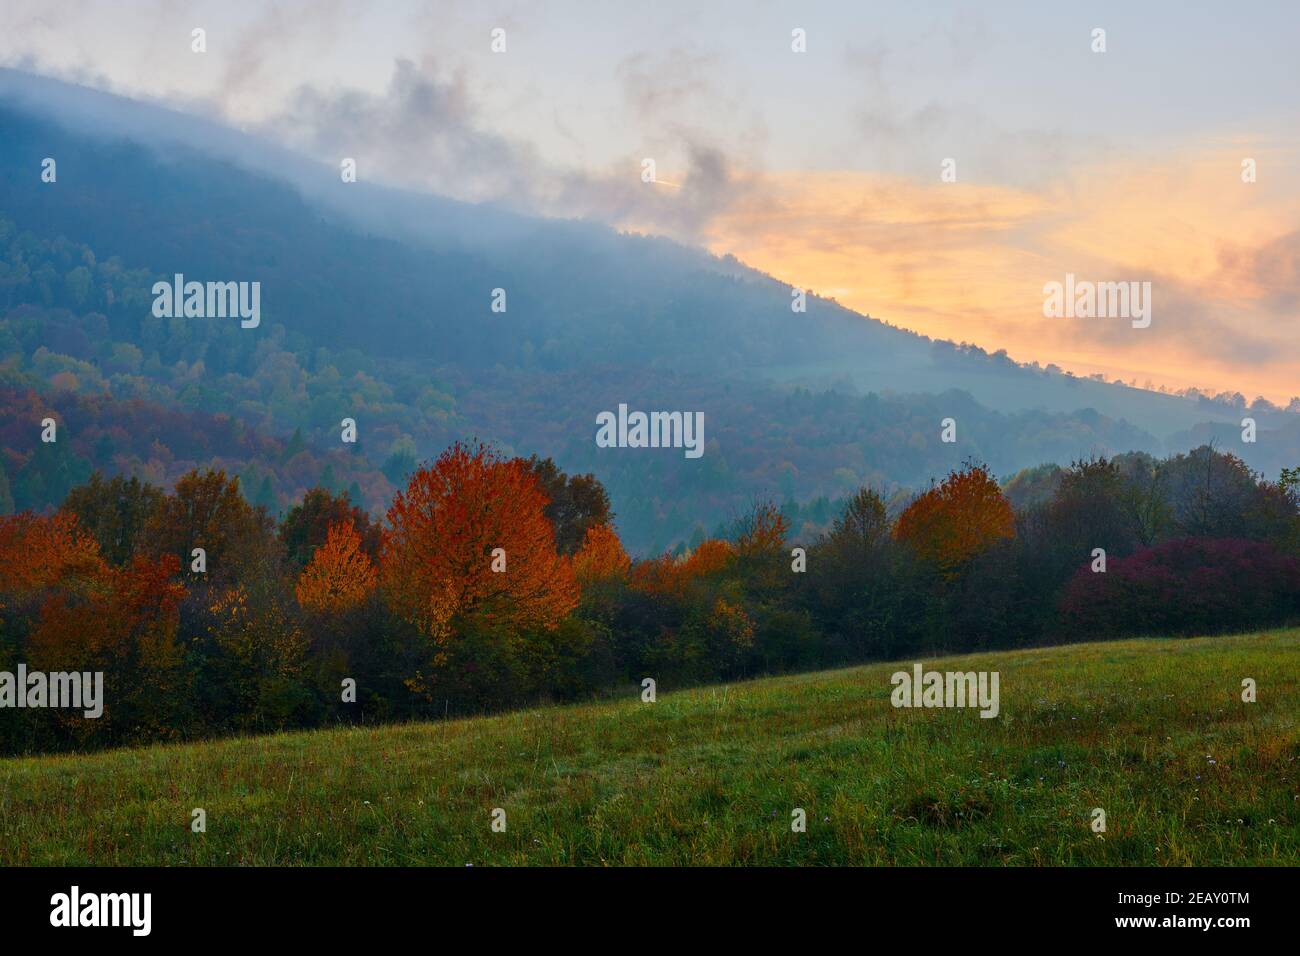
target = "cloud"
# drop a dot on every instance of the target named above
(425, 131)
(1268, 274)
(655, 85)
(894, 133)
(968, 262)
(421, 132)
(1042, 189)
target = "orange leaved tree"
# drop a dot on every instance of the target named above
(708, 557)
(601, 556)
(340, 574)
(668, 575)
(762, 530)
(957, 520)
(38, 552)
(468, 537)
(125, 626)
(760, 547)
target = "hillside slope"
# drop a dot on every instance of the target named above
(376, 307)
(1153, 731)
(405, 274)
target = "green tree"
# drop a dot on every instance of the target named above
(306, 525)
(207, 511)
(6, 496)
(114, 512)
(576, 503)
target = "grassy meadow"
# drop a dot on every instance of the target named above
(1152, 731)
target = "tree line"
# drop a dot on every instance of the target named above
(155, 397)
(494, 581)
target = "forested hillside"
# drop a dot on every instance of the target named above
(377, 307)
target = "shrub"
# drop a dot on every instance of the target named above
(1185, 586)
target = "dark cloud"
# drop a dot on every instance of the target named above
(1269, 273)
(425, 131)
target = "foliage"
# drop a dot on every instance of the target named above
(37, 553)
(307, 524)
(601, 556)
(576, 503)
(115, 512)
(444, 623)
(340, 574)
(206, 510)
(1186, 586)
(951, 524)
(458, 517)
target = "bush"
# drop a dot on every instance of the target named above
(1185, 586)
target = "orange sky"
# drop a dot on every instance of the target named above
(820, 167)
(969, 262)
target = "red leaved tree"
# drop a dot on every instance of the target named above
(39, 552)
(468, 537)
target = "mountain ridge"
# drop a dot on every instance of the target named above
(399, 333)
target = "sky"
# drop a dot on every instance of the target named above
(824, 168)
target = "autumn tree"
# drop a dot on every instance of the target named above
(306, 526)
(601, 556)
(656, 575)
(960, 518)
(730, 630)
(46, 564)
(206, 510)
(38, 552)
(713, 638)
(669, 575)
(762, 560)
(125, 628)
(72, 611)
(861, 527)
(340, 574)
(709, 557)
(576, 503)
(469, 537)
(252, 661)
(761, 530)
(115, 511)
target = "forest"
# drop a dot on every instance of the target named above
(376, 306)
(495, 581)
(155, 398)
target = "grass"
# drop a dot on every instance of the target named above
(1152, 731)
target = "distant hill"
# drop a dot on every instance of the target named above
(376, 305)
